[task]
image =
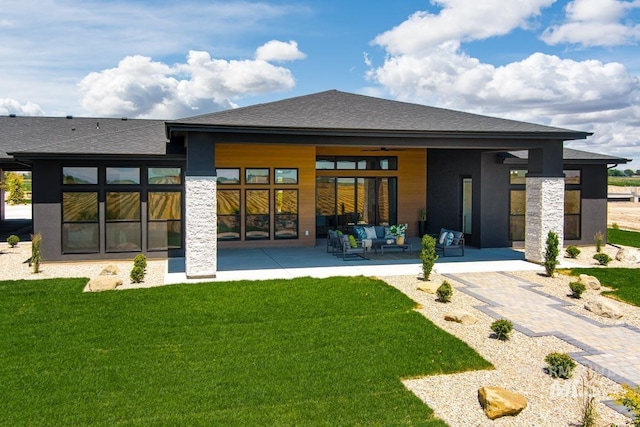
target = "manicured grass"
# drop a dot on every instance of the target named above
(623, 237)
(623, 280)
(298, 352)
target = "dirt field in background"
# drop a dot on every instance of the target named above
(625, 214)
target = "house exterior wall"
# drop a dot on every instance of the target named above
(411, 175)
(594, 203)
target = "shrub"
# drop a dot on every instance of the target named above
(137, 274)
(13, 240)
(444, 292)
(502, 328)
(36, 257)
(573, 252)
(13, 184)
(630, 398)
(551, 254)
(615, 226)
(577, 288)
(559, 365)
(428, 255)
(140, 261)
(602, 258)
(598, 238)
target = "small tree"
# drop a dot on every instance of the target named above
(13, 184)
(140, 261)
(572, 251)
(502, 328)
(551, 253)
(602, 258)
(559, 365)
(137, 274)
(13, 240)
(577, 288)
(428, 255)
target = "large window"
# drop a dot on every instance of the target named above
(80, 222)
(572, 204)
(79, 175)
(164, 227)
(123, 222)
(228, 214)
(286, 214)
(257, 214)
(357, 162)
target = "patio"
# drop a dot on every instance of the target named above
(276, 263)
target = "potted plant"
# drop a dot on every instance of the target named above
(398, 231)
(422, 222)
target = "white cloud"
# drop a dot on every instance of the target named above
(140, 87)
(595, 23)
(11, 106)
(278, 51)
(459, 20)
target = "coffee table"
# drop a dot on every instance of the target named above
(405, 247)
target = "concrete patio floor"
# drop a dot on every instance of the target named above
(286, 263)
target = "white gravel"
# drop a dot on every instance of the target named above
(518, 362)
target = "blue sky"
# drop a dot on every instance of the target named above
(569, 63)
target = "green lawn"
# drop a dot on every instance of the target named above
(623, 237)
(298, 352)
(624, 281)
(624, 181)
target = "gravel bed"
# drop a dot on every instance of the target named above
(519, 366)
(14, 266)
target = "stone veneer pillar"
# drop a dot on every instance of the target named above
(201, 227)
(545, 212)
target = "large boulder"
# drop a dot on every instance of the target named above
(590, 282)
(103, 283)
(460, 316)
(498, 402)
(429, 287)
(603, 308)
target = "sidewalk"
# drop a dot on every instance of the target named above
(611, 350)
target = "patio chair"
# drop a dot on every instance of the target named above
(450, 240)
(333, 241)
(347, 250)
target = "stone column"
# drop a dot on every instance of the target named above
(201, 227)
(545, 212)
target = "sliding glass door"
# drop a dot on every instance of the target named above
(342, 202)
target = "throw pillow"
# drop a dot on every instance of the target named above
(360, 233)
(352, 241)
(370, 232)
(448, 239)
(443, 236)
(339, 233)
(387, 233)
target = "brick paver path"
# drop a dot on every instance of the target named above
(613, 351)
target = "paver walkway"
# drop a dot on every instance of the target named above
(613, 351)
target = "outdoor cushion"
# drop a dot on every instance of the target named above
(359, 232)
(370, 232)
(443, 236)
(380, 232)
(457, 235)
(352, 241)
(387, 233)
(449, 239)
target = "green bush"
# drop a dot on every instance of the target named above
(559, 365)
(428, 255)
(13, 184)
(502, 328)
(577, 288)
(598, 238)
(630, 398)
(573, 252)
(615, 226)
(36, 257)
(13, 240)
(551, 254)
(137, 274)
(140, 261)
(444, 292)
(602, 258)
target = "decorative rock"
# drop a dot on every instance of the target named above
(498, 402)
(429, 287)
(620, 255)
(460, 316)
(589, 281)
(109, 270)
(603, 308)
(103, 283)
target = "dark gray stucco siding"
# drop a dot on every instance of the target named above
(494, 229)
(445, 170)
(594, 203)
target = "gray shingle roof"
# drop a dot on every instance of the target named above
(80, 135)
(335, 110)
(569, 155)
